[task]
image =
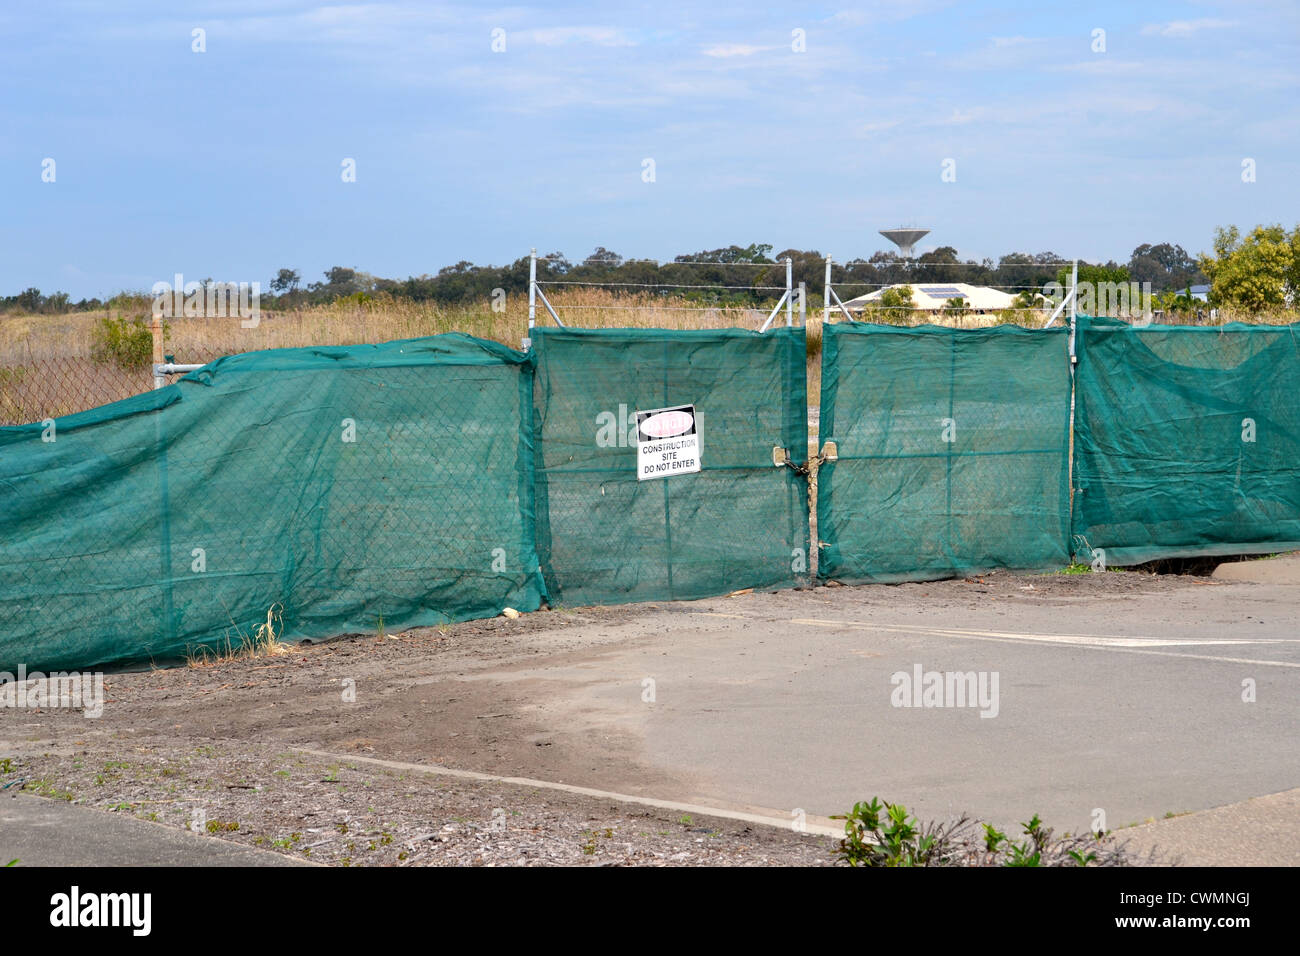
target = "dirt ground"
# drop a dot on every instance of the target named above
(216, 747)
(212, 748)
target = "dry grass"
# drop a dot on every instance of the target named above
(263, 642)
(25, 339)
(46, 368)
(51, 388)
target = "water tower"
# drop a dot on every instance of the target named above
(905, 239)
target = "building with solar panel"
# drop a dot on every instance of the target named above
(935, 296)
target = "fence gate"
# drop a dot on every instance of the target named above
(952, 451)
(1187, 441)
(608, 530)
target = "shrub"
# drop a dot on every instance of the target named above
(127, 343)
(887, 835)
(896, 305)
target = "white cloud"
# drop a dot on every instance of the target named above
(887, 11)
(600, 36)
(1185, 28)
(724, 50)
(1003, 53)
(960, 117)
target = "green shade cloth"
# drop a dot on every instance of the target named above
(953, 448)
(176, 519)
(603, 536)
(1187, 440)
(447, 478)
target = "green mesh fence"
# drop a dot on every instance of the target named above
(345, 486)
(606, 537)
(1187, 440)
(442, 479)
(953, 450)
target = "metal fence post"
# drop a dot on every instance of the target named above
(1074, 289)
(157, 329)
(826, 294)
(1074, 299)
(789, 291)
(532, 298)
(803, 307)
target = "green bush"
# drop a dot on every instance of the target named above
(127, 343)
(896, 305)
(887, 835)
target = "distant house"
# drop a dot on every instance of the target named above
(935, 296)
(1201, 292)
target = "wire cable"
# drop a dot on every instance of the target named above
(654, 285)
(617, 263)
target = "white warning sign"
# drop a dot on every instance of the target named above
(667, 442)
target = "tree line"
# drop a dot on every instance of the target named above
(1258, 270)
(749, 275)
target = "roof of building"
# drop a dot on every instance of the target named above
(937, 295)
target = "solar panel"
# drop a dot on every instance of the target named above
(941, 291)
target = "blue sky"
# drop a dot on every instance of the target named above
(227, 163)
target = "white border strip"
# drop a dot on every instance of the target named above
(821, 826)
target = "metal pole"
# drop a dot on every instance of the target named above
(157, 329)
(840, 305)
(803, 308)
(1074, 285)
(1074, 299)
(779, 302)
(532, 297)
(789, 291)
(826, 294)
(550, 308)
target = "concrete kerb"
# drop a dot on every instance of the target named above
(821, 826)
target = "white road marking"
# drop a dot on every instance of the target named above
(1130, 645)
(1091, 639)
(823, 826)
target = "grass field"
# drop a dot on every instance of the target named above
(382, 319)
(48, 366)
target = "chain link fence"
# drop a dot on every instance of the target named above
(1187, 441)
(607, 534)
(424, 481)
(38, 389)
(952, 451)
(339, 490)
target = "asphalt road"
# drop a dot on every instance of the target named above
(1110, 700)
(38, 831)
(1110, 710)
